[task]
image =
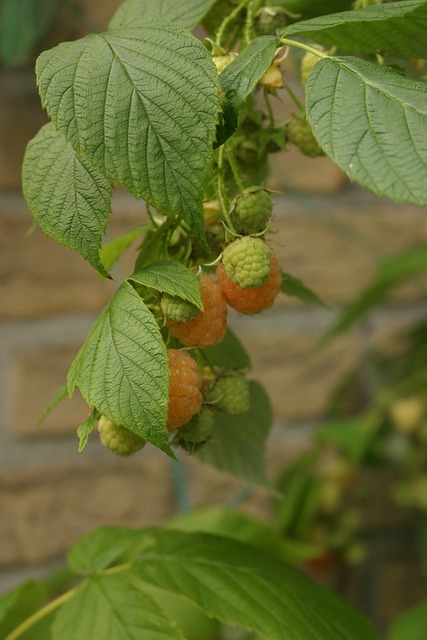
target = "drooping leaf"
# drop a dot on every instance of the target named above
(142, 104)
(114, 249)
(20, 603)
(107, 606)
(22, 24)
(240, 77)
(297, 289)
(99, 549)
(85, 429)
(186, 13)
(69, 198)
(257, 591)
(238, 444)
(371, 121)
(60, 395)
(411, 625)
(229, 354)
(171, 276)
(397, 28)
(122, 369)
(390, 273)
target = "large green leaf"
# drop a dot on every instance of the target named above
(371, 121)
(17, 605)
(238, 442)
(311, 8)
(171, 276)
(240, 77)
(297, 289)
(255, 590)
(109, 608)
(122, 369)
(186, 13)
(229, 354)
(68, 197)
(142, 104)
(390, 273)
(411, 625)
(397, 28)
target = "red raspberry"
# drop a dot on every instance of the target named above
(208, 327)
(251, 300)
(185, 398)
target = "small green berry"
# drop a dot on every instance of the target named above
(177, 309)
(307, 63)
(229, 393)
(197, 432)
(118, 439)
(301, 135)
(247, 261)
(252, 210)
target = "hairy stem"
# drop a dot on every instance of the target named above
(228, 20)
(305, 47)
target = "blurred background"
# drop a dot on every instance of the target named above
(369, 520)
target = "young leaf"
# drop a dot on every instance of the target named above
(390, 273)
(113, 250)
(397, 28)
(122, 369)
(296, 288)
(109, 607)
(255, 590)
(240, 77)
(238, 442)
(411, 625)
(171, 276)
(371, 121)
(68, 197)
(186, 13)
(229, 354)
(60, 395)
(142, 104)
(85, 429)
(99, 549)
(17, 605)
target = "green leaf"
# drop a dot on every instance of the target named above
(68, 197)
(397, 28)
(255, 590)
(296, 288)
(229, 354)
(352, 435)
(171, 276)
(390, 273)
(60, 395)
(311, 8)
(186, 13)
(20, 603)
(238, 444)
(240, 77)
(142, 104)
(109, 607)
(411, 625)
(122, 369)
(22, 24)
(99, 549)
(371, 121)
(113, 250)
(85, 429)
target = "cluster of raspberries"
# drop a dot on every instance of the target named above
(248, 279)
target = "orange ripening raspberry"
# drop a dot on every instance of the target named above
(185, 398)
(207, 327)
(251, 300)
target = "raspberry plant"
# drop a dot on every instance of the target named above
(174, 120)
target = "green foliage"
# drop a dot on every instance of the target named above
(229, 354)
(66, 194)
(257, 591)
(124, 373)
(187, 13)
(383, 147)
(297, 289)
(113, 250)
(19, 604)
(238, 442)
(397, 29)
(171, 277)
(352, 436)
(411, 625)
(100, 88)
(85, 429)
(311, 8)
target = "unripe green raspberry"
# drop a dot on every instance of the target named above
(197, 432)
(118, 439)
(307, 63)
(177, 309)
(247, 262)
(300, 133)
(251, 210)
(222, 61)
(269, 19)
(230, 394)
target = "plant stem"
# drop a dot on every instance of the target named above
(269, 108)
(228, 20)
(294, 98)
(249, 23)
(222, 192)
(232, 162)
(305, 47)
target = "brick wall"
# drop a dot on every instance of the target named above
(329, 233)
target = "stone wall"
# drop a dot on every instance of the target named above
(328, 233)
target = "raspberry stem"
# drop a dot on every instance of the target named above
(305, 47)
(233, 165)
(228, 20)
